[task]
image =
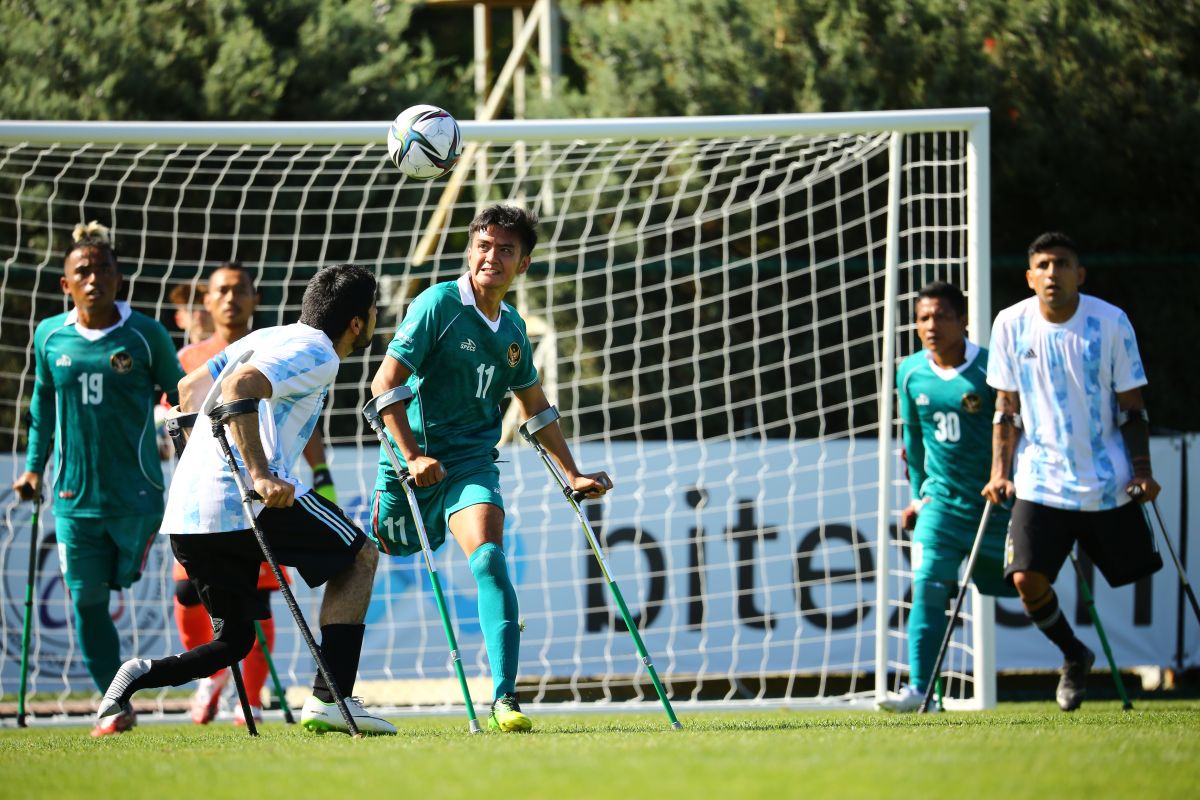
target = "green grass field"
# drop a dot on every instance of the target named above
(1020, 750)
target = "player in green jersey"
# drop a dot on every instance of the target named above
(945, 405)
(461, 349)
(97, 368)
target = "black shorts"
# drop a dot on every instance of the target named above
(1118, 541)
(313, 535)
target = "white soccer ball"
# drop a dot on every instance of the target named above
(424, 142)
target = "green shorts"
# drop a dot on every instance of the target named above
(942, 542)
(392, 528)
(104, 553)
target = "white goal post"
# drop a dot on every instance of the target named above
(718, 305)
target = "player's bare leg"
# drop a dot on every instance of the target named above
(1041, 606)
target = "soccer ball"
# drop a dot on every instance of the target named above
(424, 142)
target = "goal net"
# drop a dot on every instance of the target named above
(717, 307)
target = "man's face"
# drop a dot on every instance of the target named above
(364, 336)
(1055, 277)
(91, 277)
(495, 258)
(230, 299)
(940, 327)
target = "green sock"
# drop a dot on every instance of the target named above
(497, 616)
(926, 626)
(98, 642)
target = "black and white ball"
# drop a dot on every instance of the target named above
(424, 142)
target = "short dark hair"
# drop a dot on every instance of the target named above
(1051, 239)
(335, 296)
(512, 219)
(186, 294)
(92, 236)
(234, 266)
(940, 290)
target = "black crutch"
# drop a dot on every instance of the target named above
(27, 625)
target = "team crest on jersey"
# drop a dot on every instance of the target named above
(121, 362)
(922, 399)
(971, 402)
(63, 361)
(514, 354)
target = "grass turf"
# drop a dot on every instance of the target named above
(1019, 750)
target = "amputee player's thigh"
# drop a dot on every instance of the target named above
(1121, 545)
(133, 536)
(392, 527)
(314, 536)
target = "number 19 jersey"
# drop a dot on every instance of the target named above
(947, 416)
(462, 366)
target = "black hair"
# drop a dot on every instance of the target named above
(335, 296)
(93, 236)
(235, 266)
(940, 290)
(1052, 239)
(512, 219)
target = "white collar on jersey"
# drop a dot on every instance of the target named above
(96, 334)
(953, 372)
(468, 299)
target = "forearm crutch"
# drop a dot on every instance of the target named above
(177, 424)
(27, 624)
(1091, 604)
(371, 412)
(1183, 578)
(935, 676)
(528, 430)
(220, 415)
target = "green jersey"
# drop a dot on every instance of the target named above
(95, 391)
(463, 365)
(947, 416)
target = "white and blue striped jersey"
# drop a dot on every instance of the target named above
(301, 364)
(1070, 454)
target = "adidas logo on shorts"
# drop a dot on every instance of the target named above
(468, 345)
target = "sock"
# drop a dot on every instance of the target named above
(254, 668)
(195, 626)
(341, 645)
(98, 642)
(497, 616)
(926, 626)
(231, 646)
(1053, 623)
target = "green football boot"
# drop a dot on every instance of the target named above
(506, 715)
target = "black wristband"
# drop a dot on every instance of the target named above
(322, 476)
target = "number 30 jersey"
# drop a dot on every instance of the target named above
(95, 393)
(463, 364)
(947, 416)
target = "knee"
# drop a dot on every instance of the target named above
(238, 636)
(186, 594)
(89, 595)
(487, 562)
(1030, 585)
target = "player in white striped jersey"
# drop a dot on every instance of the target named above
(1069, 408)
(289, 371)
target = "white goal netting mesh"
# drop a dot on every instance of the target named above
(707, 312)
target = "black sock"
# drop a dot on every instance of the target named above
(341, 645)
(231, 646)
(1053, 623)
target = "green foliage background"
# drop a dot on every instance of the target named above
(1095, 105)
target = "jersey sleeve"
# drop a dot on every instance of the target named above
(418, 332)
(167, 371)
(296, 368)
(1001, 372)
(914, 445)
(1127, 369)
(526, 373)
(42, 410)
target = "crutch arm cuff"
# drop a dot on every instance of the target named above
(538, 421)
(400, 394)
(223, 412)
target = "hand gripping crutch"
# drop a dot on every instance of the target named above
(27, 625)
(958, 601)
(371, 412)
(1086, 591)
(177, 423)
(528, 430)
(220, 415)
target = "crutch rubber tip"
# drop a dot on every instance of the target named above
(676, 726)
(1127, 707)
(474, 727)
